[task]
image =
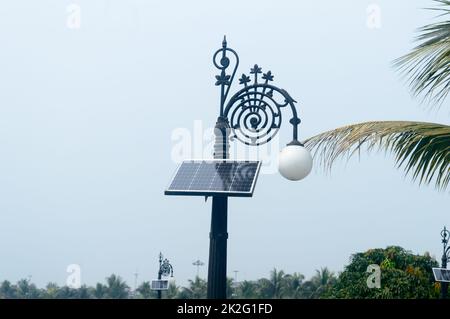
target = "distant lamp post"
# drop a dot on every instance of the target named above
(198, 263)
(165, 269)
(445, 234)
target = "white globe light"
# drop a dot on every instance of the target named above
(295, 162)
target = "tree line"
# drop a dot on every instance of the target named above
(278, 285)
(403, 275)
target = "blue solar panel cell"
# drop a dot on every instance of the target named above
(215, 178)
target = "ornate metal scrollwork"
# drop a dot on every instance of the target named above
(254, 113)
(165, 268)
(224, 80)
(445, 234)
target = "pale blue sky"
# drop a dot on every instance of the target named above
(86, 118)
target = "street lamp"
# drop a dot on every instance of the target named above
(445, 234)
(253, 116)
(165, 269)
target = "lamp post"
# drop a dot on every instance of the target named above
(445, 234)
(165, 269)
(198, 263)
(253, 115)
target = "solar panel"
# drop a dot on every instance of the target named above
(160, 284)
(215, 178)
(441, 274)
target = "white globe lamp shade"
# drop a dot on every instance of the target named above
(295, 162)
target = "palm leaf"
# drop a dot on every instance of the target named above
(427, 66)
(423, 149)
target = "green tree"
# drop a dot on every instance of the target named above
(116, 287)
(426, 67)
(247, 289)
(7, 291)
(318, 285)
(294, 285)
(184, 293)
(51, 291)
(274, 287)
(67, 293)
(144, 290)
(403, 275)
(322, 281)
(422, 149)
(173, 290)
(100, 291)
(231, 289)
(197, 289)
(25, 290)
(84, 292)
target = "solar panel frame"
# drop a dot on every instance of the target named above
(184, 192)
(159, 284)
(441, 274)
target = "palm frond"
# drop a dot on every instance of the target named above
(427, 66)
(423, 149)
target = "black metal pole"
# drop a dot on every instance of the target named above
(444, 285)
(445, 236)
(160, 273)
(217, 266)
(444, 290)
(217, 269)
